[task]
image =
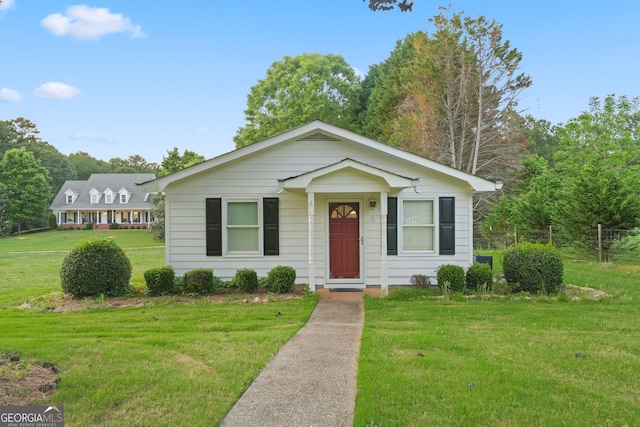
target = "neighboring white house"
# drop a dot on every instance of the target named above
(104, 199)
(342, 209)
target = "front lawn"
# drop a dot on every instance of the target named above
(505, 362)
(162, 361)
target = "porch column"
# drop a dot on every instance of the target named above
(384, 279)
(79, 220)
(312, 260)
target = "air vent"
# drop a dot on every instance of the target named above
(319, 136)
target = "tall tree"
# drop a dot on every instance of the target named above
(174, 162)
(599, 166)
(132, 164)
(297, 90)
(25, 133)
(451, 96)
(541, 138)
(5, 222)
(27, 183)
(85, 165)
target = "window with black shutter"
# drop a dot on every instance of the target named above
(392, 226)
(447, 226)
(271, 224)
(214, 226)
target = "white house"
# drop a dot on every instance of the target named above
(103, 199)
(342, 209)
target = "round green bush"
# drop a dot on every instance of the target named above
(160, 280)
(198, 282)
(281, 279)
(88, 226)
(533, 268)
(453, 275)
(114, 226)
(479, 277)
(246, 280)
(96, 267)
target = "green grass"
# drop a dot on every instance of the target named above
(519, 355)
(66, 240)
(174, 361)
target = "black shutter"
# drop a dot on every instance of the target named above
(271, 226)
(392, 226)
(447, 226)
(214, 227)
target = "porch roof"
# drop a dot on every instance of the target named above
(306, 180)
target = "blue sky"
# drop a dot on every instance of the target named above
(116, 78)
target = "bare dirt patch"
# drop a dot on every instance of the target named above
(22, 383)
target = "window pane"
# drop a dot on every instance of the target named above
(417, 212)
(243, 239)
(417, 238)
(242, 213)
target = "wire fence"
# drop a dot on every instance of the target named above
(604, 244)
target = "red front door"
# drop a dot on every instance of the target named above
(344, 240)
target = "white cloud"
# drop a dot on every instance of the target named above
(84, 136)
(56, 90)
(9, 95)
(84, 22)
(6, 5)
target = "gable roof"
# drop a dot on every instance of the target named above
(324, 130)
(101, 182)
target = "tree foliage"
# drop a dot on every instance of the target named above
(27, 184)
(451, 96)
(5, 222)
(384, 5)
(599, 165)
(297, 90)
(173, 161)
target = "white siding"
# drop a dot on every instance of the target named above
(257, 176)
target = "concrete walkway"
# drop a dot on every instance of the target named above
(312, 379)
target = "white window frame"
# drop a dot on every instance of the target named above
(401, 226)
(124, 198)
(225, 225)
(69, 199)
(94, 198)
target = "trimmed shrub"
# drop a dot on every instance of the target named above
(52, 221)
(453, 275)
(96, 267)
(114, 226)
(533, 268)
(246, 280)
(160, 280)
(88, 226)
(479, 277)
(198, 282)
(281, 279)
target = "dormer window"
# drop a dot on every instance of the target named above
(124, 196)
(70, 196)
(108, 196)
(95, 196)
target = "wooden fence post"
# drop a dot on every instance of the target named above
(600, 242)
